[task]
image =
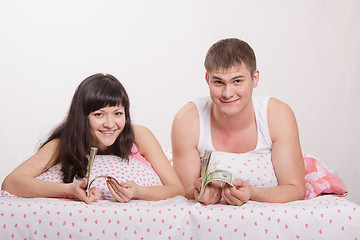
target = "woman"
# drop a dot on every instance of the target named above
(98, 117)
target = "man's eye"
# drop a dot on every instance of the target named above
(218, 82)
(238, 81)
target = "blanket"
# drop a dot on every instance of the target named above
(323, 217)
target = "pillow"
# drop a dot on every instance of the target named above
(320, 179)
(138, 169)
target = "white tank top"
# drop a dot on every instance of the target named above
(255, 166)
(264, 142)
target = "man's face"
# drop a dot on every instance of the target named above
(231, 89)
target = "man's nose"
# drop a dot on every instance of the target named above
(228, 91)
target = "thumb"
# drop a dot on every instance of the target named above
(84, 184)
(128, 184)
(238, 182)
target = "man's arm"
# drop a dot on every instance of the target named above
(184, 140)
(287, 160)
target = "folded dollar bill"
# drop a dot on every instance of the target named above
(93, 152)
(214, 175)
(92, 155)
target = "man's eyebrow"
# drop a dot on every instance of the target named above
(239, 76)
(216, 77)
(236, 77)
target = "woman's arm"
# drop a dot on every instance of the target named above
(22, 181)
(151, 150)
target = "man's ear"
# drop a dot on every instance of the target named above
(207, 78)
(256, 77)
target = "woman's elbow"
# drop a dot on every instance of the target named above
(7, 184)
(180, 191)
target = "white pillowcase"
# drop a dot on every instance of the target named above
(138, 170)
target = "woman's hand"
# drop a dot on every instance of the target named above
(122, 192)
(212, 193)
(78, 189)
(239, 194)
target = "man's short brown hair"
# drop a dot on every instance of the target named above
(229, 52)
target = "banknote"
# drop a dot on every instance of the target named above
(93, 152)
(103, 176)
(214, 175)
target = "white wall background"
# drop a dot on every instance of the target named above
(308, 55)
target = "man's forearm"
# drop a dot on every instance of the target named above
(279, 194)
(189, 193)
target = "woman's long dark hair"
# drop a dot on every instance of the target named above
(93, 93)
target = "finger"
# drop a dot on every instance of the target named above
(95, 194)
(116, 194)
(124, 190)
(237, 196)
(83, 184)
(237, 182)
(215, 192)
(225, 195)
(127, 184)
(228, 201)
(206, 198)
(115, 188)
(214, 197)
(197, 194)
(197, 184)
(231, 198)
(113, 179)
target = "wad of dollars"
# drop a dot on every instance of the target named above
(92, 155)
(93, 152)
(214, 175)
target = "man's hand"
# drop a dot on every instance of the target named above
(238, 195)
(212, 194)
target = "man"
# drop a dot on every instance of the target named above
(234, 121)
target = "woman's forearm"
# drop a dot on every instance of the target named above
(154, 193)
(24, 186)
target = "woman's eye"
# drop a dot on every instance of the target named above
(119, 113)
(97, 114)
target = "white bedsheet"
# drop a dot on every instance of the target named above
(325, 217)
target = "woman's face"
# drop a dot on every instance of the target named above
(106, 124)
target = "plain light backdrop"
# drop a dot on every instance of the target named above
(308, 55)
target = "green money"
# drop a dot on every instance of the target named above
(215, 175)
(219, 175)
(92, 155)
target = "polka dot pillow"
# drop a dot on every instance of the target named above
(138, 170)
(319, 179)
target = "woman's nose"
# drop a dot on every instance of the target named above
(109, 122)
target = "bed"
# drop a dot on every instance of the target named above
(325, 214)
